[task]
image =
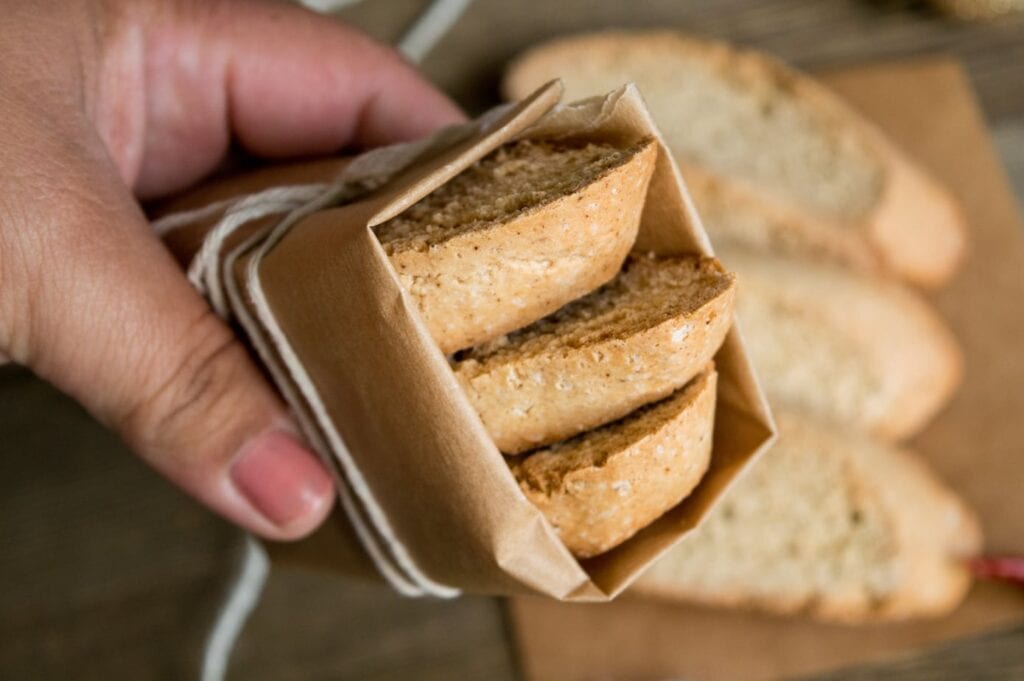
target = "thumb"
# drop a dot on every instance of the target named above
(92, 302)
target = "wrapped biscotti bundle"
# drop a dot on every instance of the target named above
(510, 342)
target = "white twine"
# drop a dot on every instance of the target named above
(204, 271)
(430, 27)
(241, 600)
(326, 6)
(421, 38)
(171, 222)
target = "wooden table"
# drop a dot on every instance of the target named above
(108, 573)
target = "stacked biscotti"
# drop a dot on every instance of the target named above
(828, 227)
(590, 365)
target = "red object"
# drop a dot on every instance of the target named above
(1007, 568)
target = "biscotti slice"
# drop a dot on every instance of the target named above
(765, 134)
(830, 524)
(600, 488)
(742, 221)
(636, 340)
(525, 230)
(853, 350)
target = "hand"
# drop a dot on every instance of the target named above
(104, 101)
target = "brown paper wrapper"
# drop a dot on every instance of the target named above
(422, 486)
(927, 107)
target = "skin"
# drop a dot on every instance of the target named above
(106, 102)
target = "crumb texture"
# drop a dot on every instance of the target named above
(601, 487)
(514, 237)
(736, 219)
(511, 180)
(798, 526)
(648, 292)
(848, 349)
(636, 340)
(828, 523)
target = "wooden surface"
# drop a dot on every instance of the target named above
(108, 573)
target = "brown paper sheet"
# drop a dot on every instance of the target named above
(433, 498)
(184, 242)
(976, 444)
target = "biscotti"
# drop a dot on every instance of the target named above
(514, 237)
(599, 488)
(743, 221)
(831, 524)
(857, 351)
(634, 341)
(754, 132)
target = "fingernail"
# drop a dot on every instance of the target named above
(281, 478)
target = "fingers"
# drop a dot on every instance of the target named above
(94, 304)
(300, 81)
(89, 298)
(281, 81)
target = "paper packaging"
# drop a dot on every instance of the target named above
(927, 107)
(425, 489)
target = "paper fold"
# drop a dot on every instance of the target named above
(425, 490)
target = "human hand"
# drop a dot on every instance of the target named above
(103, 101)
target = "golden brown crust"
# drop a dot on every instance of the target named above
(484, 283)
(531, 399)
(914, 226)
(602, 487)
(918, 229)
(936, 530)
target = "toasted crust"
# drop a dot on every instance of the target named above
(918, 228)
(602, 487)
(859, 351)
(546, 387)
(487, 282)
(935, 527)
(925, 534)
(913, 226)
